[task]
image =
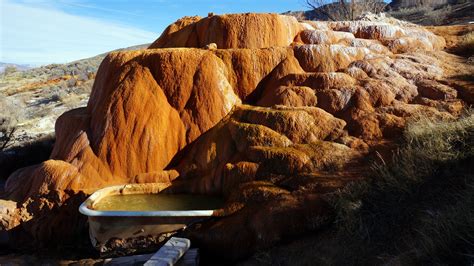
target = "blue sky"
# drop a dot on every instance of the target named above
(45, 31)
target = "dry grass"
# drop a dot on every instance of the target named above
(432, 13)
(419, 206)
(423, 15)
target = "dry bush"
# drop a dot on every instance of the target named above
(437, 16)
(424, 15)
(9, 117)
(411, 13)
(7, 129)
(343, 9)
(9, 70)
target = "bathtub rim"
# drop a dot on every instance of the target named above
(85, 209)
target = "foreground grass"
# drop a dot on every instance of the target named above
(417, 208)
(420, 206)
(466, 45)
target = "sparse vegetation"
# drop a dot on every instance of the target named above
(437, 16)
(41, 95)
(8, 122)
(9, 70)
(424, 15)
(466, 45)
(6, 132)
(344, 10)
(420, 204)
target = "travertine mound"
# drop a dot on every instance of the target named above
(266, 111)
(230, 31)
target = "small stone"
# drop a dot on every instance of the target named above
(211, 46)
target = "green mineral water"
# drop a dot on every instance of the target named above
(158, 202)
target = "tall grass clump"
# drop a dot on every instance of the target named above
(419, 206)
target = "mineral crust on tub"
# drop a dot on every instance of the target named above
(135, 210)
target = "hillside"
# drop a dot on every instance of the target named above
(427, 13)
(444, 14)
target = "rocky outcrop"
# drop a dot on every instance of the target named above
(271, 114)
(8, 216)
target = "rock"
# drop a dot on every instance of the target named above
(263, 141)
(328, 58)
(9, 215)
(390, 30)
(333, 100)
(354, 143)
(435, 91)
(299, 124)
(254, 228)
(294, 96)
(252, 134)
(156, 177)
(211, 46)
(323, 36)
(454, 107)
(235, 174)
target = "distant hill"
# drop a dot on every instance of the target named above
(16, 66)
(430, 12)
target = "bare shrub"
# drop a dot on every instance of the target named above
(406, 13)
(8, 120)
(343, 9)
(437, 16)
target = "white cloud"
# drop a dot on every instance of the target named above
(32, 35)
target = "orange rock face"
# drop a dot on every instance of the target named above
(230, 31)
(275, 117)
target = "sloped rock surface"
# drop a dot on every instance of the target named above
(230, 31)
(278, 115)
